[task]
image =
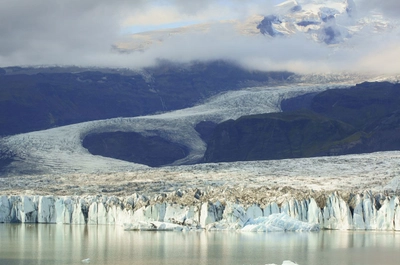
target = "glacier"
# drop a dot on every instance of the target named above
(356, 192)
(70, 186)
(360, 211)
(59, 150)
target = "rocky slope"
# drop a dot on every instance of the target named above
(360, 119)
(275, 136)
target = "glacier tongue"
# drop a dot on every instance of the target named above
(362, 211)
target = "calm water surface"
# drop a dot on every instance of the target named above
(65, 244)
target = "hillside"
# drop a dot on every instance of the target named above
(275, 136)
(133, 147)
(41, 98)
(364, 118)
(59, 150)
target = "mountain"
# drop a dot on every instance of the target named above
(72, 119)
(364, 118)
(275, 136)
(59, 150)
(204, 96)
(41, 98)
(362, 105)
(332, 22)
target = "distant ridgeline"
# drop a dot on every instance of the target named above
(362, 119)
(41, 98)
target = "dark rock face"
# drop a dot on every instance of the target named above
(372, 108)
(330, 31)
(298, 103)
(41, 101)
(153, 151)
(384, 137)
(360, 106)
(361, 119)
(275, 136)
(205, 129)
(266, 25)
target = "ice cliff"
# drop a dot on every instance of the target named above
(360, 211)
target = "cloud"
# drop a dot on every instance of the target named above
(389, 7)
(83, 33)
(296, 53)
(67, 31)
(77, 32)
(175, 11)
(40, 30)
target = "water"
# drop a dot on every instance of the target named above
(65, 244)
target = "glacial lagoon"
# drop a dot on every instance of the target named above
(28, 244)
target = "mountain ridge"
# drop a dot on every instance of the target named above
(367, 114)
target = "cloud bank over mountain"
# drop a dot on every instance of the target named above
(84, 33)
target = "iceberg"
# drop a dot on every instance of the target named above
(278, 222)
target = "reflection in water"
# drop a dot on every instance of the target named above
(65, 244)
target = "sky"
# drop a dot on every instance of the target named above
(82, 33)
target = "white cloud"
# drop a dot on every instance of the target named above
(82, 33)
(180, 11)
(389, 7)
